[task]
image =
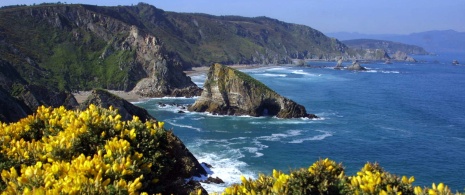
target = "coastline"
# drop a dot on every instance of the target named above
(130, 96)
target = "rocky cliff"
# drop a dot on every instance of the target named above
(80, 47)
(230, 92)
(394, 50)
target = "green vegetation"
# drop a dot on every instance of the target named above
(88, 152)
(57, 53)
(327, 177)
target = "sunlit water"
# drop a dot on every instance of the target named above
(409, 117)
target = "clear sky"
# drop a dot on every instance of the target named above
(363, 16)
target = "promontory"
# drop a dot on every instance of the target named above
(228, 91)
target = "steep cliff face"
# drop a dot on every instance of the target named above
(80, 47)
(230, 92)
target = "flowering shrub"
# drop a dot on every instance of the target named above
(83, 152)
(327, 177)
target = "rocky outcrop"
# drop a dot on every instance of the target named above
(356, 66)
(402, 56)
(105, 99)
(34, 96)
(11, 110)
(339, 65)
(230, 92)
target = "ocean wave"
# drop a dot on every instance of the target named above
(225, 165)
(171, 122)
(272, 75)
(287, 121)
(302, 72)
(313, 138)
(382, 71)
(280, 136)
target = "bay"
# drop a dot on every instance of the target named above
(408, 117)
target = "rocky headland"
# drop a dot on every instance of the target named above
(228, 91)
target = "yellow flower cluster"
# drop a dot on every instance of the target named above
(439, 189)
(57, 151)
(327, 177)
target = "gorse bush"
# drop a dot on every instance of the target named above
(327, 177)
(82, 152)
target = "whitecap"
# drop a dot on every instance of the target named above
(301, 72)
(182, 126)
(225, 165)
(313, 138)
(272, 75)
(280, 136)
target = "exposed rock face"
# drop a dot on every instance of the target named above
(105, 99)
(100, 47)
(402, 56)
(356, 66)
(230, 92)
(11, 110)
(34, 96)
(389, 46)
(339, 65)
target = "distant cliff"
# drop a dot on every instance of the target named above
(393, 50)
(389, 46)
(230, 92)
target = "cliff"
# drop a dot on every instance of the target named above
(230, 92)
(80, 47)
(394, 50)
(389, 46)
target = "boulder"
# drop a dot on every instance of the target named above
(228, 91)
(36, 95)
(356, 66)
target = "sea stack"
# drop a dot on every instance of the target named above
(228, 91)
(356, 66)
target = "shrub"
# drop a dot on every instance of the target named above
(83, 152)
(327, 177)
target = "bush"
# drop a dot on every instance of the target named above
(83, 152)
(327, 177)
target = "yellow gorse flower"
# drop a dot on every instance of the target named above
(55, 142)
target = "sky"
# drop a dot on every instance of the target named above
(327, 16)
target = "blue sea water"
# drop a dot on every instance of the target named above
(408, 117)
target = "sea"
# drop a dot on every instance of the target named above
(408, 117)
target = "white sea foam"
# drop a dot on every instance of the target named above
(225, 165)
(272, 75)
(313, 138)
(302, 72)
(286, 121)
(172, 122)
(280, 136)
